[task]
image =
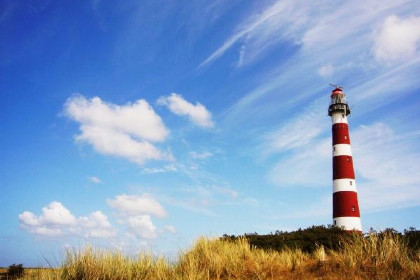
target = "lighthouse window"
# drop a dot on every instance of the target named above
(353, 208)
(351, 183)
(345, 136)
(348, 159)
(335, 222)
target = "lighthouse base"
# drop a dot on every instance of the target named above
(348, 223)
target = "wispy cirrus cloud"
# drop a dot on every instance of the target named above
(298, 132)
(256, 32)
(163, 169)
(200, 155)
(305, 24)
(383, 164)
(332, 42)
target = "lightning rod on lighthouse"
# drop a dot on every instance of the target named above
(346, 212)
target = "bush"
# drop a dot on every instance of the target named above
(15, 271)
(308, 240)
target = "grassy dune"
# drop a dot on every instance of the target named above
(376, 257)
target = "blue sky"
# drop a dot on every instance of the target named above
(142, 125)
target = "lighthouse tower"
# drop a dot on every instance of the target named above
(346, 212)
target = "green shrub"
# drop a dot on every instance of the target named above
(15, 271)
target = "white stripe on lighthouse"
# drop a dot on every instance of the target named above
(343, 185)
(338, 118)
(341, 150)
(349, 223)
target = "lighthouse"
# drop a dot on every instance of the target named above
(346, 214)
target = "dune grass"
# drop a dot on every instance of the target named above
(372, 257)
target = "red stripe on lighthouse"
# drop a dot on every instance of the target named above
(343, 167)
(340, 133)
(345, 204)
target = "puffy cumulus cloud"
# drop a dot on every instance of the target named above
(123, 131)
(137, 119)
(111, 142)
(142, 226)
(57, 220)
(134, 205)
(135, 213)
(55, 214)
(197, 113)
(96, 225)
(398, 39)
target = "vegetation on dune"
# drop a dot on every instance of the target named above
(308, 240)
(333, 255)
(15, 271)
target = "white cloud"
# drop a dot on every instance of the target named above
(326, 70)
(95, 180)
(281, 20)
(338, 32)
(123, 131)
(298, 132)
(136, 211)
(385, 163)
(224, 190)
(307, 166)
(55, 214)
(250, 201)
(142, 226)
(96, 225)
(398, 39)
(137, 119)
(134, 205)
(164, 169)
(170, 229)
(111, 142)
(57, 220)
(197, 113)
(304, 24)
(200, 155)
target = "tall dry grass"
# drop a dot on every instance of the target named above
(109, 265)
(378, 256)
(373, 257)
(218, 259)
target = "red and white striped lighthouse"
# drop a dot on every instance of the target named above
(346, 212)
